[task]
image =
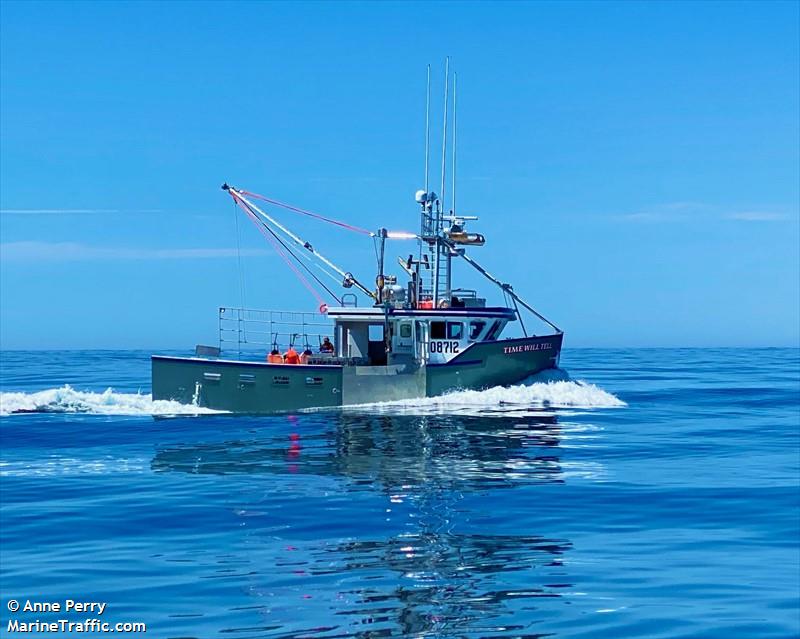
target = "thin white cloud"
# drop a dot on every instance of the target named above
(642, 216)
(72, 211)
(325, 179)
(694, 211)
(757, 216)
(73, 251)
(669, 212)
(684, 206)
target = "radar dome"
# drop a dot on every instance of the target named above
(421, 196)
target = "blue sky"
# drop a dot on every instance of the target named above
(635, 165)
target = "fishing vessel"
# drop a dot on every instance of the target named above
(417, 335)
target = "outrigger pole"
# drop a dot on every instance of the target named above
(506, 288)
(348, 278)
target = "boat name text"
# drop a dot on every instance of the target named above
(524, 348)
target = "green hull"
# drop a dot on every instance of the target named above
(256, 387)
(499, 363)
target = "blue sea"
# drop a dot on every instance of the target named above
(654, 494)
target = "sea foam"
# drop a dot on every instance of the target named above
(537, 392)
(68, 400)
(551, 389)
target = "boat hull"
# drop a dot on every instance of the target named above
(245, 387)
(257, 387)
(496, 363)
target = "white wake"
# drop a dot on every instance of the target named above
(68, 400)
(529, 397)
(536, 394)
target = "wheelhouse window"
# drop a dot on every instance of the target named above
(455, 330)
(405, 329)
(438, 330)
(492, 334)
(476, 328)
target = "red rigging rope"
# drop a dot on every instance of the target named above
(316, 216)
(261, 225)
(280, 252)
(349, 279)
(298, 260)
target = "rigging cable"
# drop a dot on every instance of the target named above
(303, 264)
(239, 259)
(280, 252)
(261, 222)
(349, 279)
(309, 258)
(300, 262)
(289, 207)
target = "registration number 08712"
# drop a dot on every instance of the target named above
(444, 347)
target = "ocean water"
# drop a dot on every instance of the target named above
(657, 494)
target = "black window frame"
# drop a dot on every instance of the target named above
(438, 330)
(450, 326)
(476, 328)
(492, 334)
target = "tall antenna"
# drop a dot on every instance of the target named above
(440, 209)
(444, 127)
(455, 80)
(427, 127)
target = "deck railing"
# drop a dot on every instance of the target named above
(247, 329)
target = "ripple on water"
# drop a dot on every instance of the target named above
(518, 513)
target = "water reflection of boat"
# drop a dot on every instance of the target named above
(442, 575)
(452, 580)
(394, 450)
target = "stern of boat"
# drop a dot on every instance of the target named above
(244, 386)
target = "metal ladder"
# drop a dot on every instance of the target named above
(433, 226)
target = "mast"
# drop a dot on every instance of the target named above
(427, 127)
(424, 200)
(455, 80)
(439, 209)
(444, 130)
(448, 275)
(381, 279)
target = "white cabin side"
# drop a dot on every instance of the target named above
(427, 337)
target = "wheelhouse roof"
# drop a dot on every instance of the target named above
(372, 314)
